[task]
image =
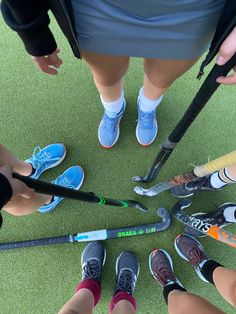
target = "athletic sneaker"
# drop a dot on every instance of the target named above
(108, 130)
(146, 130)
(215, 217)
(192, 251)
(92, 260)
(127, 271)
(72, 178)
(161, 268)
(46, 158)
(191, 188)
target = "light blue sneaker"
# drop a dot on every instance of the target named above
(72, 178)
(146, 130)
(108, 130)
(46, 158)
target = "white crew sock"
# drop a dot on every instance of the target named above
(113, 106)
(221, 178)
(230, 213)
(146, 104)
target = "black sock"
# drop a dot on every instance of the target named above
(208, 269)
(168, 288)
(33, 171)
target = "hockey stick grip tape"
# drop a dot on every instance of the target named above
(205, 92)
(215, 165)
(38, 242)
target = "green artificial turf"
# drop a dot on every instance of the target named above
(37, 109)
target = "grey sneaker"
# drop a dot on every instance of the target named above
(92, 260)
(191, 188)
(161, 268)
(192, 251)
(127, 271)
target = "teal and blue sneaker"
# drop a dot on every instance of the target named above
(72, 178)
(147, 128)
(46, 158)
(108, 130)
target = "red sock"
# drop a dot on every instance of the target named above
(121, 295)
(91, 285)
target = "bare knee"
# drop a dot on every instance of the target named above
(109, 78)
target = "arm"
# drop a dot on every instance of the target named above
(30, 20)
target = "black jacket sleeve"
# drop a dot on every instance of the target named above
(29, 18)
(5, 191)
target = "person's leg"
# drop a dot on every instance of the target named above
(159, 75)
(213, 182)
(180, 302)
(208, 270)
(127, 271)
(72, 178)
(41, 160)
(88, 291)
(225, 281)
(175, 295)
(108, 73)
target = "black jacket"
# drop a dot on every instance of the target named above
(29, 18)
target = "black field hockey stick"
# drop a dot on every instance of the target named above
(205, 92)
(56, 190)
(198, 172)
(207, 228)
(96, 235)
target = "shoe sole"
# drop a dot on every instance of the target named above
(77, 188)
(145, 145)
(104, 259)
(56, 164)
(184, 196)
(117, 262)
(183, 256)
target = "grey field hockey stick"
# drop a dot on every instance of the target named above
(96, 235)
(198, 172)
(205, 92)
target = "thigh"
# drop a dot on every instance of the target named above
(163, 73)
(106, 67)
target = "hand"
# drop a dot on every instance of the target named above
(18, 187)
(227, 50)
(47, 64)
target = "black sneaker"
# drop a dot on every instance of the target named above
(161, 268)
(192, 251)
(215, 217)
(191, 188)
(127, 271)
(92, 260)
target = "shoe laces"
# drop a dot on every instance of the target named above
(125, 281)
(62, 181)
(39, 159)
(165, 275)
(92, 269)
(110, 123)
(195, 256)
(146, 119)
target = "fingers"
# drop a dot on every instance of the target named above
(47, 64)
(227, 49)
(227, 80)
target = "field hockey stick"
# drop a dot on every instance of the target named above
(198, 172)
(96, 235)
(212, 231)
(53, 189)
(205, 92)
